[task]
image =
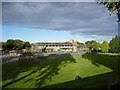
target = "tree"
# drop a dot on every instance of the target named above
(18, 44)
(4, 46)
(104, 47)
(115, 44)
(26, 44)
(95, 46)
(89, 44)
(10, 44)
(80, 43)
(113, 7)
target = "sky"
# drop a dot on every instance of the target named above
(57, 21)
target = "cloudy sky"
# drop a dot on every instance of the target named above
(58, 21)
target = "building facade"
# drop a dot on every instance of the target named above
(56, 46)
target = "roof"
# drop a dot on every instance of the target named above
(62, 43)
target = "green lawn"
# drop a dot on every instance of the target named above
(87, 71)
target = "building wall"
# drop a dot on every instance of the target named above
(71, 46)
(74, 47)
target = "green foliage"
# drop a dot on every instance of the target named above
(92, 45)
(11, 44)
(86, 50)
(96, 46)
(27, 54)
(18, 44)
(113, 7)
(104, 47)
(80, 43)
(4, 45)
(26, 44)
(115, 44)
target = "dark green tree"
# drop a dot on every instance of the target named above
(115, 44)
(26, 44)
(4, 46)
(18, 44)
(10, 44)
(104, 47)
(79, 43)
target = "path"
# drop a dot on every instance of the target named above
(8, 59)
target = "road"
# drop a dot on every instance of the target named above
(7, 59)
(59, 55)
(66, 55)
(11, 59)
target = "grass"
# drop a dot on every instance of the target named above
(87, 71)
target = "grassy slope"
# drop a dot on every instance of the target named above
(78, 71)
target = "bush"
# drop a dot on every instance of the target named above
(27, 54)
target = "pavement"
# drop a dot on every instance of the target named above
(59, 55)
(66, 55)
(9, 59)
(12, 59)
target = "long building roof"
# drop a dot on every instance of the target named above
(53, 43)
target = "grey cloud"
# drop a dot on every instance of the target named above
(81, 18)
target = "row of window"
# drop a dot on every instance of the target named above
(58, 45)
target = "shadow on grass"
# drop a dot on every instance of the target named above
(50, 68)
(98, 81)
(53, 67)
(110, 61)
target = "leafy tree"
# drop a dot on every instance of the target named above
(95, 46)
(115, 44)
(4, 45)
(104, 47)
(80, 43)
(113, 7)
(89, 44)
(18, 44)
(10, 44)
(26, 44)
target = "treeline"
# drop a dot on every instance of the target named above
(11, 44)
(97, 47)
(113, 46)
